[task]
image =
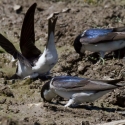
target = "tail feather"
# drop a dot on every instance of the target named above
(119, 29)
(121, 84)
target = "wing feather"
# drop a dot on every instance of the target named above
(69, 83)
(104, 38)
(9, 47)
(27, 39)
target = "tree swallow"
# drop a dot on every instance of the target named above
(31, 62)
(100, 40)
(77, 90)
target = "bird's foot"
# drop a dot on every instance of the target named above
(119, 54)
(32, 76)
(27, 77)
(101, 61)
(70, 102)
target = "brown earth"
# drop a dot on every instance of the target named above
(20, 100)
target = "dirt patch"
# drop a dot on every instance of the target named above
(20, 100)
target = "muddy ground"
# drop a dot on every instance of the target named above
(20, 100)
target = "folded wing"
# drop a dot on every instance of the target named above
(99, 36)
(69, 83)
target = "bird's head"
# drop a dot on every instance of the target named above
(78, 46)
(44, 91)
(47, 93)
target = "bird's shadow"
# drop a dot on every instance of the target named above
(92, 107)
(117, 54)
(43, 78)
(88, 107)
(94, 57)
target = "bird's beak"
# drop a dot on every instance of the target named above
(51, 25)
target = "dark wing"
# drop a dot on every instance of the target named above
(119, 29)
(27, 39)
(69, 83)
(9, 47)
(102, 35)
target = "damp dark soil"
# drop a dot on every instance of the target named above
(20, 100)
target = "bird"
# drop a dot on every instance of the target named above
(100, 40)
(77, 90)
(31, 61)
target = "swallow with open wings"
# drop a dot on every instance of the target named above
(77, 90)
(31, 62)
(100, 40)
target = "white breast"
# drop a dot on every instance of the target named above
(81, 96)
(65, 94)
(48, 59)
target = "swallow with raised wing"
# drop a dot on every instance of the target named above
(77, 90)
(31, 62)
(100, 40)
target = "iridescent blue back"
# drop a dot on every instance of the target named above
(92, 33)
(67, 81)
